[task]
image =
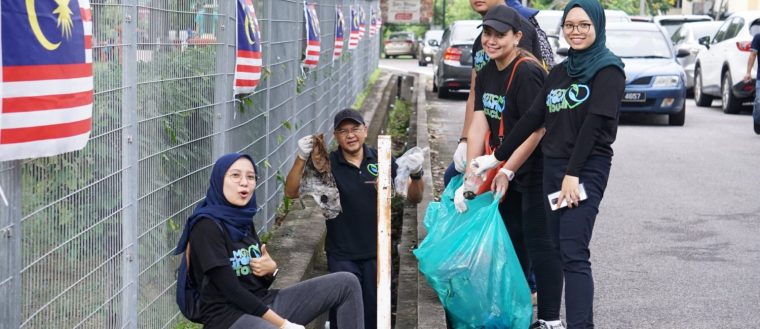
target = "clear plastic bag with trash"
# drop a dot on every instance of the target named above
(410, 159)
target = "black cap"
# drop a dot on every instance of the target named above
(502, 19)
(347, 114)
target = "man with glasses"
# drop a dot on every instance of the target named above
(351, 241)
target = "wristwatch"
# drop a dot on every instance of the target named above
(417, 176)
(510, 174)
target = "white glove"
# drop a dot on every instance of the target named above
(459, 201)
(460, 157)
(305, 146)
(414, 161)
(290, 325)
(482, 163)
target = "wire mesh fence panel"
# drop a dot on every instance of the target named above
(87, 237)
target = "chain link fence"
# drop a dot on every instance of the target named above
(86, 239)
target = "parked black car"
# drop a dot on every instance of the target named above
(453, 62)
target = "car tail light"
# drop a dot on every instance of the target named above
(410, 42)
(743, 45)
(452, 56)
(387, 41)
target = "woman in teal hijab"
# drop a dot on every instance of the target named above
(579, 108)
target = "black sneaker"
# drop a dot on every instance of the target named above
(541, 324)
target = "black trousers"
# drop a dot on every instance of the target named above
(366, 271)
(524, 215)
(572, 229)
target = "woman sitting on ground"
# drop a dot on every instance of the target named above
(236, 271)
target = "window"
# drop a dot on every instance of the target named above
(721, 34)
(735, 27)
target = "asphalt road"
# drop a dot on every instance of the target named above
(677, 241)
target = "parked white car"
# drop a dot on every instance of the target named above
(724, 62)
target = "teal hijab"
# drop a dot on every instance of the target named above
(584, 64)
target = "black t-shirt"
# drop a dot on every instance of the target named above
(352, 235)
(209, 249)
(755, 46)
(492, 97)
(568, 102)
(528, 42)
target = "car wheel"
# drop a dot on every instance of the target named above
(699, 97)
(677, 119)
(731, 105)
(386, 56)
(423, 64)
(443, 92)
(435, 86)
(414, 56)
(757, 128)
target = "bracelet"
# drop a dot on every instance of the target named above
(510, 174)
(462, 139)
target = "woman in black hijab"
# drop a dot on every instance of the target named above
(233, 270)
(579, 107)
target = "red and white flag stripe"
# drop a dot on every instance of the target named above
(247, 69)
(312, 55)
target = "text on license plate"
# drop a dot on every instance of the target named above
(634, 97)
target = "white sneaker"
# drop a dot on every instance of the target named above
(541, 324)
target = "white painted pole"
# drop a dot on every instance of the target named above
(384, 232)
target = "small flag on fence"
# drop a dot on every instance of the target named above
(339, 28)
(372, 22)
(362, 23)
(312, 36)
(47, 86)
(248, 58)
(353, 40)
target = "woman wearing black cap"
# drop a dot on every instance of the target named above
(504, 90)
(579, 108)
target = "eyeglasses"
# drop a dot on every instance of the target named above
(344, 132)
(237, 177)
(582, 27)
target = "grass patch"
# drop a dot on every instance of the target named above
(184, 324)
(398, 125)
(363, 95)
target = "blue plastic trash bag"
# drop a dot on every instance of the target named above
(470, 262)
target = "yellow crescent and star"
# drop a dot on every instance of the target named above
(250, 28)
(65, 23)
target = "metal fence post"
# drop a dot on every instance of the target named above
(224, 81)
(10, 246)
(130, 169)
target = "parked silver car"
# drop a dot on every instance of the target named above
(429, 47)
(687, 37)
(400, 43)
(453, 63)
(672, 22)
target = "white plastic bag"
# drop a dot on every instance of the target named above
(413, 157)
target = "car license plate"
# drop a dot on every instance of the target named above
(634, 97)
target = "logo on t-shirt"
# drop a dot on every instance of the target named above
(480, 60)
(493, 105)
(241, 258)
(372, 168)
(567, 99)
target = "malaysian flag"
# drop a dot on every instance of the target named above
(47, 86)
(372, 22)
(339, 24)
(353, 40)
(248, 59)
(312, 36)
(362, 21)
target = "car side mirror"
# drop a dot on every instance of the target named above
(682, 53)
(705, 41)
(563, 51)
(433, 43)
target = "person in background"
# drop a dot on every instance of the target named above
(351, 240)
(579, 107)
(233, 270)
(504, 91)
(754, 48)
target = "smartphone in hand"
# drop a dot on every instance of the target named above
(553, 198)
